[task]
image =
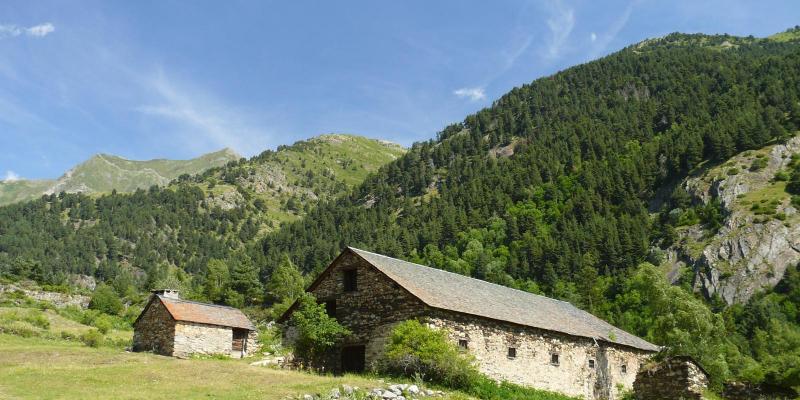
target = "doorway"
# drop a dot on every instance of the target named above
(353, 358)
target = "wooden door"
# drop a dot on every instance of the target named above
(239, 338)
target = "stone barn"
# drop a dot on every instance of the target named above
(674, 378)
(171, 326)
(515, 336)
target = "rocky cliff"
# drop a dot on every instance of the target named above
(760, 235)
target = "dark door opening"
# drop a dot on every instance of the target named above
(239, 340)
(353, 359)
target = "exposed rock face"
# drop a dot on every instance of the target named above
(58, 299)
(750, 252)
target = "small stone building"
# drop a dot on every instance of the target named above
(674, 378)
(171, 326)
(515, 336)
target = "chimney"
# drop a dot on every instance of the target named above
(168, 293)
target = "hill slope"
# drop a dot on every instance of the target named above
(103, 173)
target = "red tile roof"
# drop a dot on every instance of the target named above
(204, 313)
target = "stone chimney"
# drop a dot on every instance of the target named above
(168, 293)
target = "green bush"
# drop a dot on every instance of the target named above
(105, 299)
(103, 323)
(92, 338)
(417, 350)
(317, 332)
(487, 389)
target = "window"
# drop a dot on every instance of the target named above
(350, 280)
(624, 369)
(591, 364)
(330, 308)
(512, 352)
(554, 359)
(462, 344)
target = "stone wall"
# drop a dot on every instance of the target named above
(369, 312)
(674, 378)
(155, 330)
(192, 338)
(58, 299)
(489, 341)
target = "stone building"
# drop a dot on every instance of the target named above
(514, 335)
(171, 326)
(674, 378)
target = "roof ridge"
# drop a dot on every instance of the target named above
(198, 303)
(468, 277)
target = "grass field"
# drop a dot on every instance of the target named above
(36, 368)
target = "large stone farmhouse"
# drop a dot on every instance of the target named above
(514, 335)
(171, 326)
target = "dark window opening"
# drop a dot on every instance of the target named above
(591, 363)
(330, 308)
(512, 352)
(554, 359)
(350, 280)
(624, 368)
(462, 344)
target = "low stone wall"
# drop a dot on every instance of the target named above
(58, 299)
(742, 391)
(191, 338)
(674, 378)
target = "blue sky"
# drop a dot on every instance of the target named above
(175, 79)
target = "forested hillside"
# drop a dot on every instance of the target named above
(167, 236)
(548, 190)
(564, 186)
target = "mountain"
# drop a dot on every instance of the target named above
(565, 186)
(103, 173)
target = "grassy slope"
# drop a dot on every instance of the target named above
(103, 173)
(35, 368)
(12, 192)
(319, 168)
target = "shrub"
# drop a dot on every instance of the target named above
(103, 323)
(733, 171)
(92, 338)
(105, 299)
(415, 349)
(317, 332)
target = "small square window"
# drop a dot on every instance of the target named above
(554, 359)
(512, 352)
(624, 369)
(591, 364)
(462, 344)
(350, 280)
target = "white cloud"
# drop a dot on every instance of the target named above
(41, 30)
(474, 94)
(560, 24)
(11, 176)
(203, 119)
(593, 37)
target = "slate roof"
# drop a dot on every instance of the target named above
(204, 313)
(453, 292)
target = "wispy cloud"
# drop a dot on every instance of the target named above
(11, 176)
(41, 30)
(203, 118)
(560, 24)
(473, 94)
(600, 42)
